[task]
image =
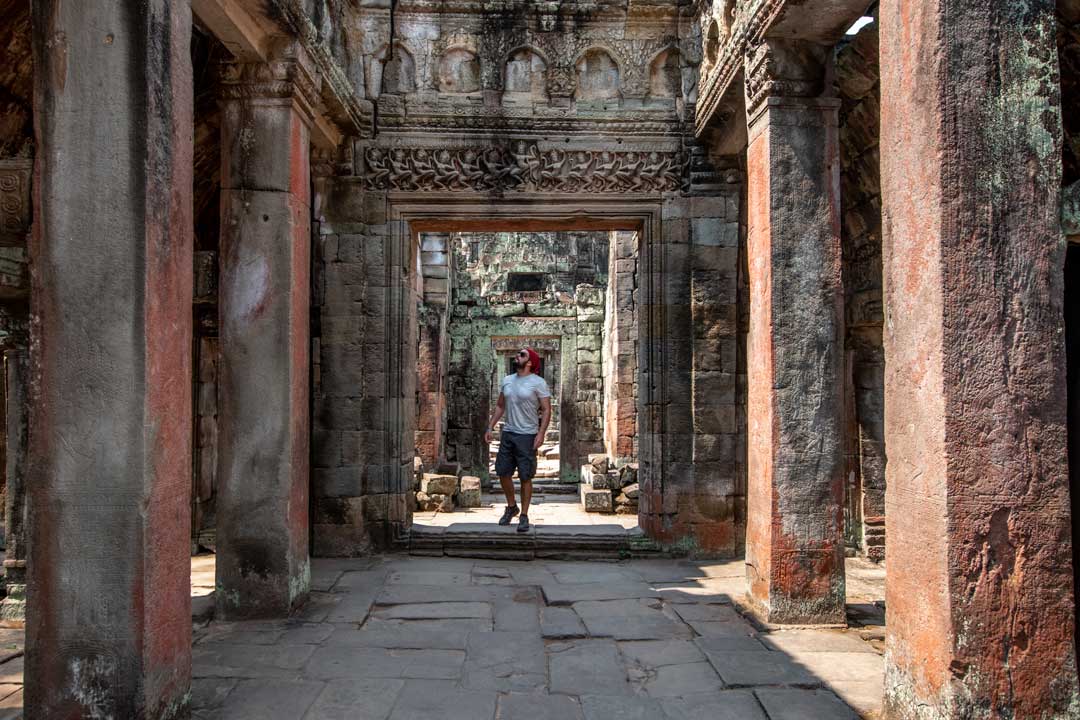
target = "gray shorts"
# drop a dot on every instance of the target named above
(516, 452)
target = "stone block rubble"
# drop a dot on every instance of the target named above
(606, 488)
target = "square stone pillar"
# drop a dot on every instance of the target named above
(263, 567)
(980, 590)
(795, 493)
(109, 470)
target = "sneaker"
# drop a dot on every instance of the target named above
(508, 514)
(523, 524)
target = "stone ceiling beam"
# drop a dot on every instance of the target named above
(817, 21)
(245, 35)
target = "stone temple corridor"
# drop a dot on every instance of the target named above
(801, 279)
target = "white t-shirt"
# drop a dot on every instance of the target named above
(523, 396)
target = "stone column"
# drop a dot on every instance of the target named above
(108, 596)
(980, 593)
(263, 566)
(16, 385)
(794, 541)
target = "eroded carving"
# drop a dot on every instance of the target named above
(526, 72)
(597, 75)
(459, 71)
(524, 168)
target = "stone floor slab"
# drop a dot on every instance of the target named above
(505, 662)
(560, 622)
(517, 706)
(517, 615)
(442, 701)
(630, 620)
(466, 624)
(261, 699)
(703, 590)
(418, 636)
(434, 611)
(607, 707)
(347, 661)
(796, 704)
(678, 680)
(356, 699)
(657, 653)
(725, 705)
(834, 667)
(248, 661)
(750, 669)
(429, 578)
(558, 594)
(586, 667)
(210, 693)
(413, 594)
(569, 573)
(825, 640)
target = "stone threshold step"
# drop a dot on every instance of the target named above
(492, 541)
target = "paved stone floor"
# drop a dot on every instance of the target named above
(409, 638)
(550, 510)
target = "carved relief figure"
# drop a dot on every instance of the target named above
(598, 76)
(665, 75)
(526, 73)
(459, 71)
(393, 72)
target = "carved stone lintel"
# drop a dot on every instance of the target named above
(783, 68)
(15, 199)
(525, 168)
(288, 78)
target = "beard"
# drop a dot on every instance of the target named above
(519, 364)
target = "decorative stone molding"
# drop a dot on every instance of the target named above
(524, 168)
(284, 79)
(781, 70)
(345, 108)
(15, 197)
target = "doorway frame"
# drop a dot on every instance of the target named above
(411, 214)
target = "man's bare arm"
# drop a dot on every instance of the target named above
(500, 408)
(545, 418)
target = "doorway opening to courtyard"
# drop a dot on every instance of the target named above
(483, 294)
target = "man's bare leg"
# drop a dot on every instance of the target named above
(508, 490)
(526, 495)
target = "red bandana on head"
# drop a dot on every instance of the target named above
(534, 359)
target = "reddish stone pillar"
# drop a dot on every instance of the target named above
(109, 605)
(794, 539)
(980, 590)
(263, 567)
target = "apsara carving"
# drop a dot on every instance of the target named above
(524, 168)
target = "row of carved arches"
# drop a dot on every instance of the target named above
(598, 74)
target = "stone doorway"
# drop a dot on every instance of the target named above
(568, 294)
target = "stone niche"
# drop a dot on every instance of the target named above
(665, 75)
(526, 74)
(393, 72)
(459, 71)
(598, 76)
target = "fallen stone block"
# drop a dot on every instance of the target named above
(607, 481)
(469, 492)
(599, 463)
(594, 500)
(628, 474)
(631, 491)
(436, 484)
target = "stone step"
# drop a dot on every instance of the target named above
(491, 541)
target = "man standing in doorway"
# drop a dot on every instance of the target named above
(526, 401)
